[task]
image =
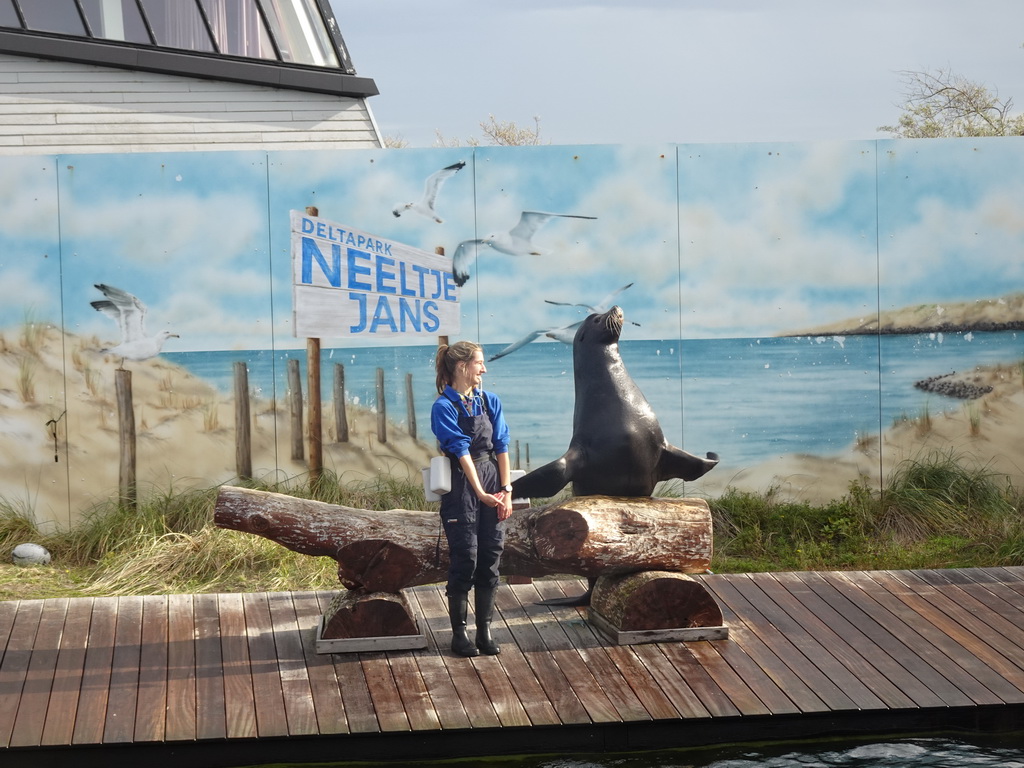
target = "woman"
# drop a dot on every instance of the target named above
(468, 424)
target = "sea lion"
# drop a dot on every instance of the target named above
(617, 446)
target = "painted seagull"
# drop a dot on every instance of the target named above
(518, 241)
(594, 309)
(130, 315)
(425, 205)
(566, 333)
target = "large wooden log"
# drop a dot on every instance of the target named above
(387, 551)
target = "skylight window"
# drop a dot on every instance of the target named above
(289, 31)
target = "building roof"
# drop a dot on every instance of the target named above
(295, 45)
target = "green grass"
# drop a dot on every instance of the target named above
(937, 512)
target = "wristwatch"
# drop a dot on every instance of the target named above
(507, 488)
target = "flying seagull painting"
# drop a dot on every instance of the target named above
(518, 241)
(565, 333)
(425, 205)
(130, 315)
(593, 309)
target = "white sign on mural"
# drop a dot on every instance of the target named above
(346, 282)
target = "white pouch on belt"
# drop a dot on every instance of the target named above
(437, 478)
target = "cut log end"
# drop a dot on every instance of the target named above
(377, 565)
(374, 614)
(559, 533)
(652, 600)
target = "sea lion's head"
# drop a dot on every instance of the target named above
(601, 328)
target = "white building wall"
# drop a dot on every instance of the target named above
(53, 107)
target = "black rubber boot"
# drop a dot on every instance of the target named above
(458, 607)
(484, 607)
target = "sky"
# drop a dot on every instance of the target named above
(717, 240)
(652, 71)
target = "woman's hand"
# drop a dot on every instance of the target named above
(505, 507)
(501, 501)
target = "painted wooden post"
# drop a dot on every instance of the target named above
(295, 392)
(127, 487)
(382, 409)
(410, 406)
(316, 433)
(243, 425)
(340, 415)
(316, 439)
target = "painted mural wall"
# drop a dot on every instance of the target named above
(814, 313)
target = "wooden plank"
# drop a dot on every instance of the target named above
(99, 654)
(67, 684)
(387, 702)
(970, 652)
(896, 659)
(926, 661)
(710, 655)
(359, 709)
(239, 701)
(35, 695)
(664, 689)
(180, 724)
(153, 708)
(939, 639)
(806, 612)
(500, 687)
(211, 703)
(413, 691)
(463, 674)
(8, 613)
(124, 672)
(268, 696)
(668, 678)
(978, 632)
(757, 612)
(291, 661)
(527, 637)
(832, 657)
(932, 644)
(982, 603)
(995, 593)
(443, 695)
(711, 695)
(591, 648)
(734, 687)
(764, 671)
(328, 706)
(587, 687)
(15, 664)
(528, 690)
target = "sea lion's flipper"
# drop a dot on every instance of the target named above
(544, 482)
(675, 462)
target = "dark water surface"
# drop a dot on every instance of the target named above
(975, 751)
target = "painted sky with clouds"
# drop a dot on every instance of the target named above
(719, 240)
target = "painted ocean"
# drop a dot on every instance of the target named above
(749, 400)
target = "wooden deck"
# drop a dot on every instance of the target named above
(233, 679)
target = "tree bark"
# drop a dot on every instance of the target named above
(388, 551)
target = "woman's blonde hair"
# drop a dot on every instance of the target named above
(448, 359)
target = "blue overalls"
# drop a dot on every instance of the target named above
(475, 535)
